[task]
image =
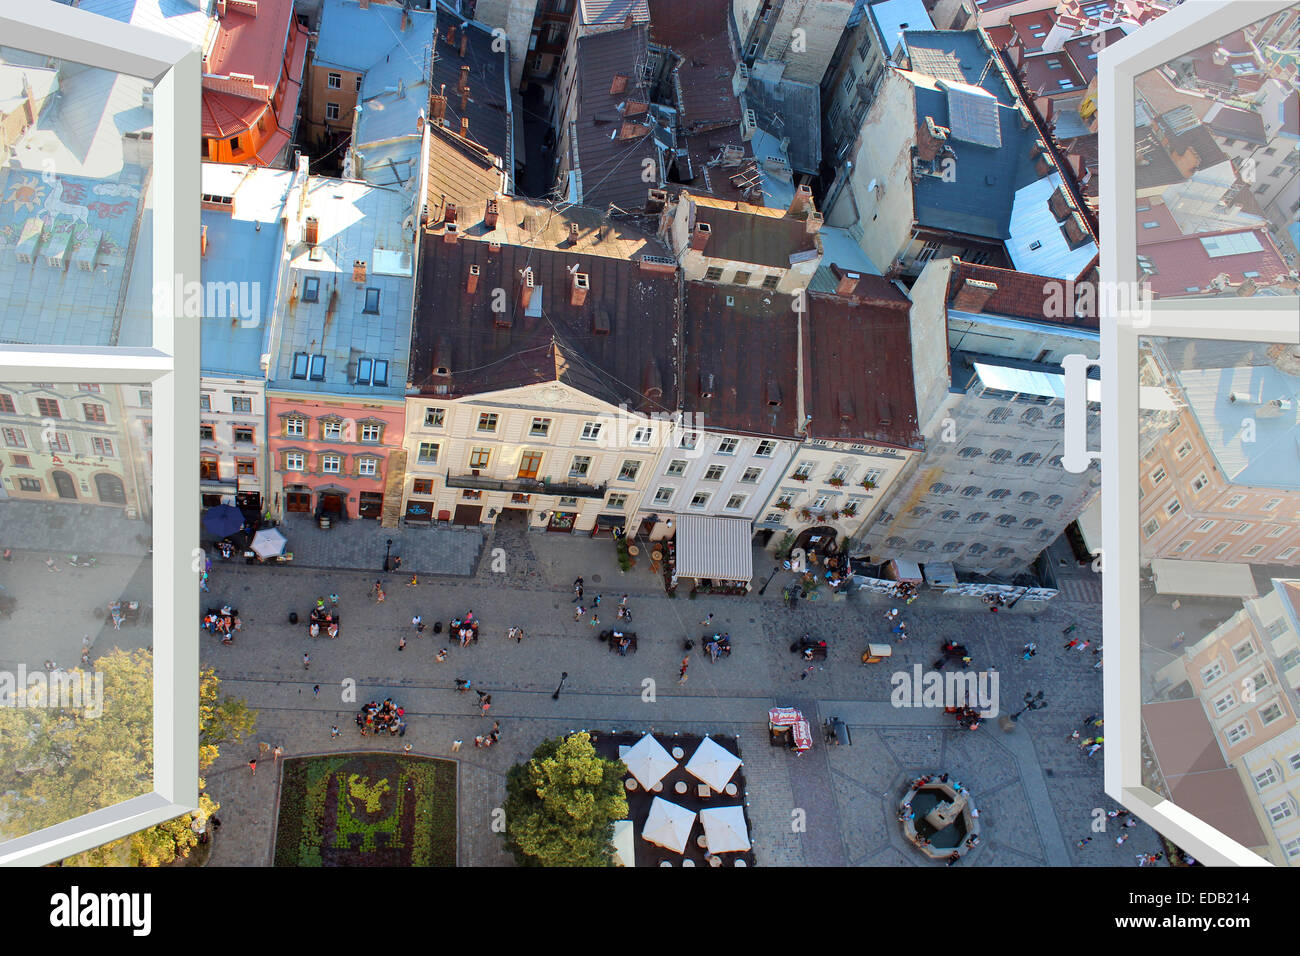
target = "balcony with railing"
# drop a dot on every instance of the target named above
(529, 486)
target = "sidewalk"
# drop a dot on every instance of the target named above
(359, 545)
(65, 528)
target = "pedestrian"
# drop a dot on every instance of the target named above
(1082, 843)
(334, 732)
(1071, 643)
(1093, 749)
(1030, 650)
(807, 671)
(320, 604)
(496, 731)
(485, 703)
(577, 615)
(401, 643)
(315, 691)
(406, 749)
(1073, 736)
(596, 602)
(455, 745)
(277, 753)
(1130, 823)
(1097, 666)
(417, 622)
(306, 662)
(203, 581)
(252, 765)
(623, 602)
(441, 656)
(1084, 646)
(892, 614)
(577, 590)
(708, 619)
(1086, 742)
(380, 596)
(462, 684)
(595, 620)
(1090, 718)
(681, 674)
(334, 601)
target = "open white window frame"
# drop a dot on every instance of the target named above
(171, 367)
(1247, 319)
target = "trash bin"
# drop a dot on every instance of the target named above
(293, 617)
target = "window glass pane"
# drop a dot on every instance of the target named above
(1212, 586)
(76, 205)
(76, 518)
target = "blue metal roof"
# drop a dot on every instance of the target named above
(355, 39)
(893, 17)
(241, 253)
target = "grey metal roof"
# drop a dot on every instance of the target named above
(972, 114)
(789, 109)
(717, 548)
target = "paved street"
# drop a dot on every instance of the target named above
(834, 806)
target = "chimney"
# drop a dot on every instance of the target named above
(629, 20)
(464, 104)
(438, 108)
(406, 21)
(463, 85)
(600, 322)
(1044, 165)
(451, 34)
(700, 238)
(203, 241)
(471, 284)
(359, 271)
(493, 213)
(573, 233)
(221, 8)
(1247, 288)
(1059, 204)
(526, 289)
(848, 284)
(578, 291)
(802, 196)
(813, 221)
(464, 127)
(1076, 233)
(974, 295)
(450, 234)
(655, 201)
(449, 213)
(464, 43)
(365, 4)
(619, 85)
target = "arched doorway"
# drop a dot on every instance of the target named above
(110, 489)
(63, 483)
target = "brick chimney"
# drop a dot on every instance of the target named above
(451, 234)
(1247, 288)
(1076, 233)
(813, 221)
(471, 283)
(365, 4)
(848, 281)
(802, 196)
(451, 34)
(464, 79)
(449, 213)
(464, 44)
(492, 214)
(578, 290)
(573, 233)
(655, 201)
(619, 85)
(438, 104)
(973, 295)
(526, 289)
(312, 234)
(359, 271)
(464, 127)
(700, 237)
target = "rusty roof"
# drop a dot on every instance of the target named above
(485, 107)
(858, 369)
(633, 363)
(697, 31)
(743, 232)
(1020, 295)
(613, 142)
(461, 173)
(717, 322)
(724, 178)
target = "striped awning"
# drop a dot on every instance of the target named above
(715, 548)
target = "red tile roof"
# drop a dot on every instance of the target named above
(1020, 295)
(1182, 263)
(250, 44)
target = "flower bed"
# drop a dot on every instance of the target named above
(367, 810)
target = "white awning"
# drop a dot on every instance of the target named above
(1203, 578)
(1090, 525)
(716, 548)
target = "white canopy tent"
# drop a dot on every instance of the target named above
(1203, 578)
(624, 848)
(268, 543)
(669, 825)
(725, 830)
(719, 549)
(713, 764)
(649, 762)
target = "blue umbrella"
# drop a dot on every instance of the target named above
(223, 520)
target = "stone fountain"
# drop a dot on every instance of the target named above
(938, 817)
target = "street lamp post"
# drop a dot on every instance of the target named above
(763, 589)
(387, 550)
(1032, 702)
(563, 677)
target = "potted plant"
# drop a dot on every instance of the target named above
(783, 506)
(835, 482)
(798, 477)
(835, 516)
(867, 483)
(805, 514)
(849, 511)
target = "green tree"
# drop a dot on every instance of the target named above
(561, 805)
(60, 764)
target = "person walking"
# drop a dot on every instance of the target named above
(577, 615)
(1121, 839)
(1091, 718)
(577, 591)
(334, 732)
(1072, 642)
(306, 662)
(1084, 646)
(595, 619)
(277, 753)
(334, 602)
(320, 604)
(708, 620)
(1030, 650)
(380, 596)
(401, 643)
(596, 603)
(485, 703)
(315, 691)
(441, 656)
(462, 684)
(681, 674)
(252, 765)
(417, 622)
(891, 615)
(1079, 845)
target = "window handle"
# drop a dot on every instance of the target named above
(1078, 457)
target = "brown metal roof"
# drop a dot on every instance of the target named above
(487, 351)
(1020, 294)
(720, 321)
(738, 181)
(746, 233)
(613, 143)
(461, 173)
(858, 375)
(696, 30)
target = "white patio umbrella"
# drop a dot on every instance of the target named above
(724, 829)
(668, 825)
(649, 762)
(624, 847)
(712, 764)
(268, 543)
